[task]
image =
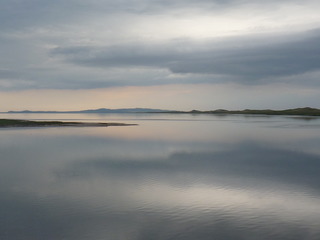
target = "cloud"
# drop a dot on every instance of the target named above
(16, 15)
(241, 59)
(255, 63)
(81, 44)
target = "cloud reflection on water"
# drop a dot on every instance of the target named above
(250, 183)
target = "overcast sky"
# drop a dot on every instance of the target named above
(183, 54)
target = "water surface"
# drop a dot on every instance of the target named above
(170, 177)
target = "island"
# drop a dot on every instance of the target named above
(26, 123)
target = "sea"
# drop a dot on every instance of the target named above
(171, 176)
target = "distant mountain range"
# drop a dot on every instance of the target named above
(101, 110)
(307, 111)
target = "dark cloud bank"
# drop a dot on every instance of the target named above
(244, 60)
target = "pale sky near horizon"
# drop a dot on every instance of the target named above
(183, 54)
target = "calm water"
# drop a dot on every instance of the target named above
(179, 177)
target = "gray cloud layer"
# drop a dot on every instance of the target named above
(246, 60)
(80, 44)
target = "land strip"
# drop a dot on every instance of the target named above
(307, 111)
(26, 123)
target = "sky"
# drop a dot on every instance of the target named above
(169, 54)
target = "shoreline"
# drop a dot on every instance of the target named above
(8, 123)
(307, 111)
(304, 111)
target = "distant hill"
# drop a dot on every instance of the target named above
(307, 111)
(124, 110)
(101, 110)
